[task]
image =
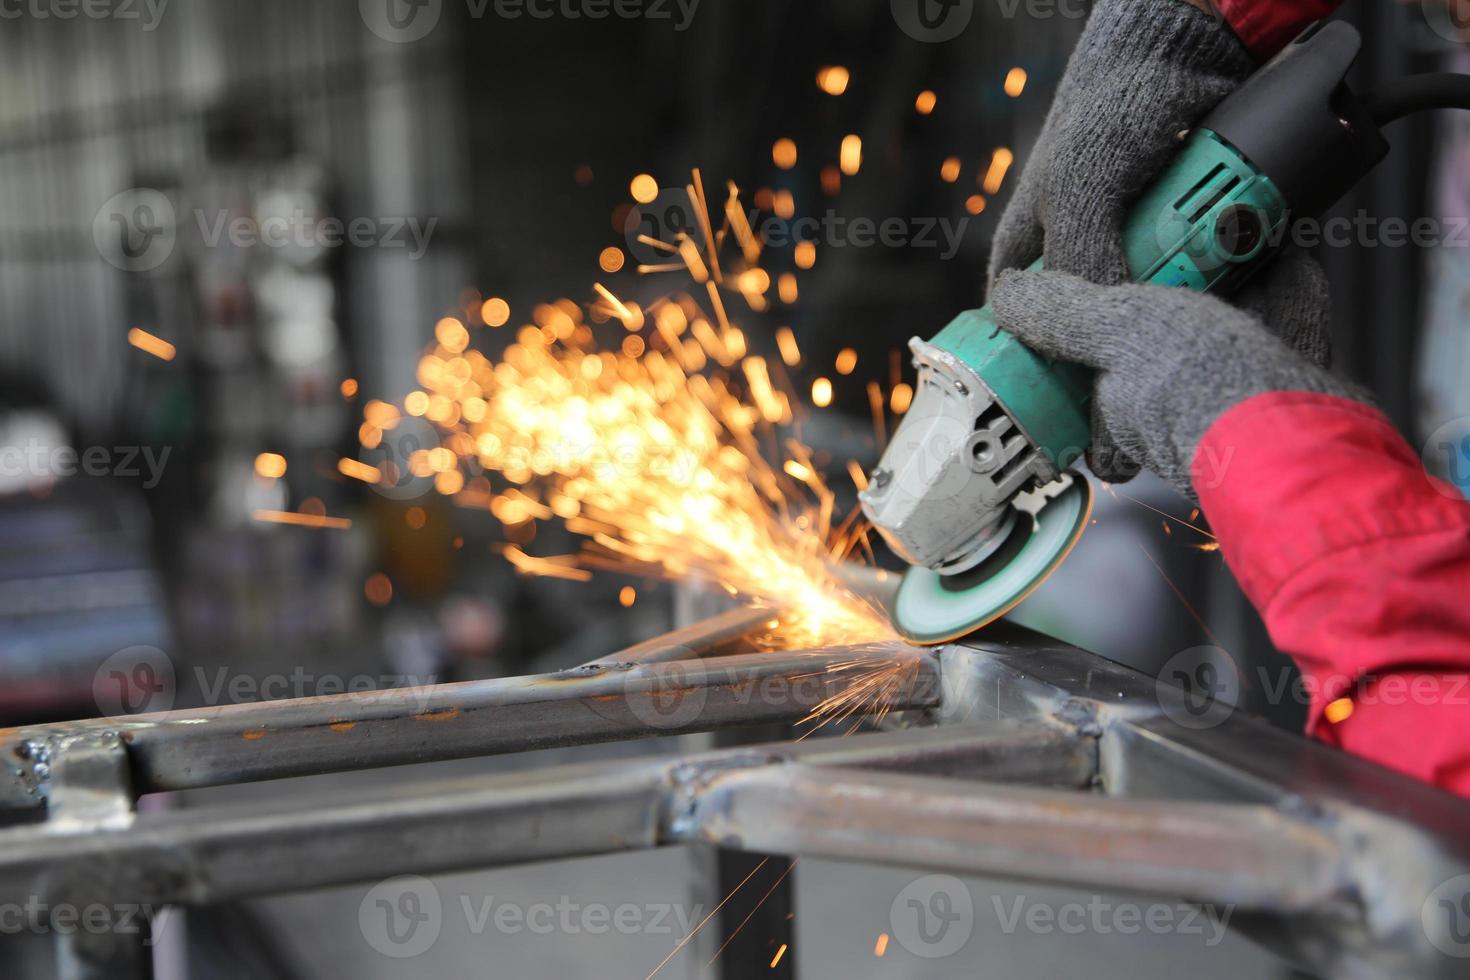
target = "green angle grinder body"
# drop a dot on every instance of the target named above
(974, 490)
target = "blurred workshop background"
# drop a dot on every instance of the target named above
(210, 382)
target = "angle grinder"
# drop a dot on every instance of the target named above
(974, 490)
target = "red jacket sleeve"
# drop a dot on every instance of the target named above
(1359, 562)
(1267, 26)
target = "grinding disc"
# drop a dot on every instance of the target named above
(932, 608)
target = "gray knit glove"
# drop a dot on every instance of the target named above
(1143, 72)
(1169, 361)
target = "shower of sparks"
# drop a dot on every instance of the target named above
(873, 685)
(672, 452)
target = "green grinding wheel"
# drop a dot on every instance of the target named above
(931, 608)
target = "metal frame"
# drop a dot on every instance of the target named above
(1025, 759)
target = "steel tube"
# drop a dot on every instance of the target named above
(241, 743)
(1250, 856)
(699, 639)
(203, 856)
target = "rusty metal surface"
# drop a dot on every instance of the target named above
(241, 743)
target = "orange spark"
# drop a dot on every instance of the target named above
(833, 79)
(358, 470)
(995, 174)
(302, 520)
(149, 344)
(271, 466)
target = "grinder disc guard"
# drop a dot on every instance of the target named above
(931, 608)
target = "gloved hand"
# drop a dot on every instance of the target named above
(1143, 72)
(1170, 361)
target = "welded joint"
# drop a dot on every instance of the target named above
(85, 779)
(28, 765)
(689, 783)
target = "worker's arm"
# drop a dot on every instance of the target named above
(1143, 72)
(1267, 26)
(1357, 560)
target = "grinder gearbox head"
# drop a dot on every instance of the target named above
(956, 495)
